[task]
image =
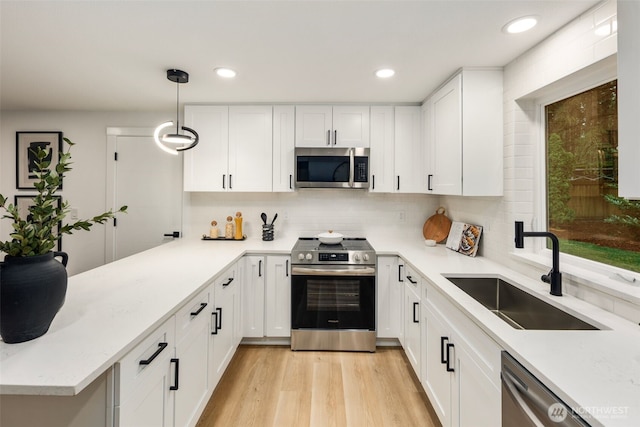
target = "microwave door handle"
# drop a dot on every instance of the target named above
(352, 164)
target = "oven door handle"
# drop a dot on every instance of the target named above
(352, 271)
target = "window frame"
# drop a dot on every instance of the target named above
(584, 80)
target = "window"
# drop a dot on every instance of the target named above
(583, 207)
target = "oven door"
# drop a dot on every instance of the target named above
(335, 297)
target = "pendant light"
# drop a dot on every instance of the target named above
(186, 142)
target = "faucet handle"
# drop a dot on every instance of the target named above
(546, 278)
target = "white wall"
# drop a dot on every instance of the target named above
(84, 187)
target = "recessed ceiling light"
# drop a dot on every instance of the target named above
(225, 72)
(520, 25)
(385, 73)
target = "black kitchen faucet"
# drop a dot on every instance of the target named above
(554, 278)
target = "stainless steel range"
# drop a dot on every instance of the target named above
(333, 295)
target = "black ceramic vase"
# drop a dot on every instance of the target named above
(32, 290)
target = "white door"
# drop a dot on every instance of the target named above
(149, 182)
(351, 126)
(314, 124)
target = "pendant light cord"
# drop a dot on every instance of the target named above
(177, 107)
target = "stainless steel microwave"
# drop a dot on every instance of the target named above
(332, 167)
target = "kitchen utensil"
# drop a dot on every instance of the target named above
(267, 232)
(330, 238)
(264, 217)
(274, 219)
(437, 226)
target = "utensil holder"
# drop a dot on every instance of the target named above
(267, 232)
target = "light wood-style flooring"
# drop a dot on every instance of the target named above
(268, 386)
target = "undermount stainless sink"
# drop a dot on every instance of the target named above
(518, 308)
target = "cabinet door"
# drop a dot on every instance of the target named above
(390, 298)
(283, 147)
(473, 382)
(427, 143)
(314, 125)
(278, 297)
(221, 343)
(205, 167)
(408, 163)
(144, 377)
(192, 353)
(253, 296)
(412, 346)
(381, 159)
(446, 130)
(351, 126)
(250, 148)
(438, 382)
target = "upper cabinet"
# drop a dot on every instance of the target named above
(235, 149)
(629, 99)
(409, 176)
(381, 159)
(332, 126)
(283, 147)
(463, 135)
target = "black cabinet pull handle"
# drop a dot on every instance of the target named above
(290, 182)
(429, 177)
(260, 268)
(329, 137)
(214, 324)
(224, 285)
(400, 273)
(373, 182)
(398, 188)
(410, 279)
(161, 346)
(174, 234)
(177, 372)
(286, 268)
(230, 184)
(443, 340)
(449, 347)
(219, 319)
(335, 137)
(415, 305)
(223, 182)
(202, 306)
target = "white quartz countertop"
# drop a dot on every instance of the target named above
(111, 308)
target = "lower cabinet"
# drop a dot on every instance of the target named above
(253, 287)
(143, 396)
(225, 309)
(390, 298)
(278, 296)
(412, 338)
(461, 366)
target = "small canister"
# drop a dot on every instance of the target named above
(213, 231)
(228, 228)
(238, 220)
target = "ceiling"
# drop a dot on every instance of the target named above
(113, 55)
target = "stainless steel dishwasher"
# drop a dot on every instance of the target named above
(527, 402)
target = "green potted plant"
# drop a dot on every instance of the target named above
(33, 283)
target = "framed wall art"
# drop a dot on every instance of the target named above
(26, 145)
(23, 203)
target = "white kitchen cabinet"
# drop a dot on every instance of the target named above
(206, 165)
(283, 147)
(628, 98)
(253, 301)
(235, 149)
(192, 357)
(278, 296)
(464, 135)
(381, 160)
(332, 126)
(409, 165)
(412, 292)
(222, 342)
(461, 364)
(144, 377)
(390, 298)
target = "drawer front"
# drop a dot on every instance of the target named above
(144, 360)
(192, 313)
(413, 280)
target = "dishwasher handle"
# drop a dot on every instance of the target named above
(514, 389)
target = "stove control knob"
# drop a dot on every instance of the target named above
(356, 257)
(365, 257)
(301, 257)
(309, 257)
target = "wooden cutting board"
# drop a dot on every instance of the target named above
(437, 226)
